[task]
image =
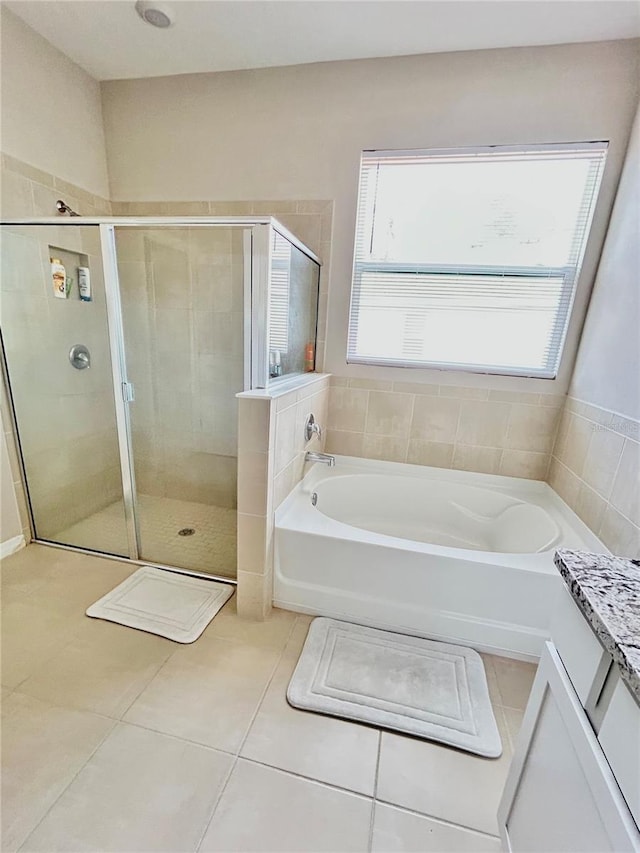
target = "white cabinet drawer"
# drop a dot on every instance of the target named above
(583, 656)
(619, 738)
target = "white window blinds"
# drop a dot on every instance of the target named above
(278, 324)
(468, 259)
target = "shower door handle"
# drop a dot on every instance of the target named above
(128, 394)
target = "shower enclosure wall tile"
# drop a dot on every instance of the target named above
(13, 168)
(186, 362)
(31, 173)
(63, 413)
(16, 195)
(25, 275)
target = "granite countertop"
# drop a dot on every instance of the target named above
(607, 590)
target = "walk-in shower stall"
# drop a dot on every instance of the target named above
(124, 395)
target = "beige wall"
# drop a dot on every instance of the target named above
(50, 108)
(297, 133)
(607, 371)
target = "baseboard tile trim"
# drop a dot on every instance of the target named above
(11, 546)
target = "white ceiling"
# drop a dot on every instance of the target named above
(110, 41)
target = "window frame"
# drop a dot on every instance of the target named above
(569, 273)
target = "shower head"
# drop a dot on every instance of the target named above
(62, 207)
(154, 14)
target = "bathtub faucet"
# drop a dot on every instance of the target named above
(325, 458)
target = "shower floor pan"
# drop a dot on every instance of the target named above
(211, 548)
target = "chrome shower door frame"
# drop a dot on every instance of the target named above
(257, 231)
(121, 385)
(123, 388)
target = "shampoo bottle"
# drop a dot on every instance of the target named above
(84, 284)
(59, 275)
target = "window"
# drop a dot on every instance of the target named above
(467, 259)
(278, 323)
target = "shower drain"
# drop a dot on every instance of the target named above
(186, 531)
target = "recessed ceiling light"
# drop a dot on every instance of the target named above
(152, 13)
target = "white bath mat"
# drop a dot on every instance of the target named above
(433, 690)
(175, 606)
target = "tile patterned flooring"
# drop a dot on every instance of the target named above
(116, 740)
(211, 549)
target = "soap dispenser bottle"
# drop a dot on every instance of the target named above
(59, 276)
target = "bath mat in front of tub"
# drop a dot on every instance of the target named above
(419, 687)
(166, 603)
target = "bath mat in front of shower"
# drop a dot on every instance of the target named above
(160, 602)
(432, 690)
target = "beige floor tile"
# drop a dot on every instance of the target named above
(442, 782)
(514, 681)
(141, 791)
(304, 619)
(73, 588)
(103, 668)
(398, 831)
(492, 678)
(64, 582)
(208, 692)
(17, 583)
(319, 747)
(25, 566)
(272, 633)
(267, 810)
(31, 635)
(43, 747)
(43, 562)
(513, 720)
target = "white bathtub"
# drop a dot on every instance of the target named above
(451, 555)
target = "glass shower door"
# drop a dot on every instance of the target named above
(182, 296)
(59, 369)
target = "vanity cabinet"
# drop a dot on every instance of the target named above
(619, 737)
(561, 794)
(574, 782)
